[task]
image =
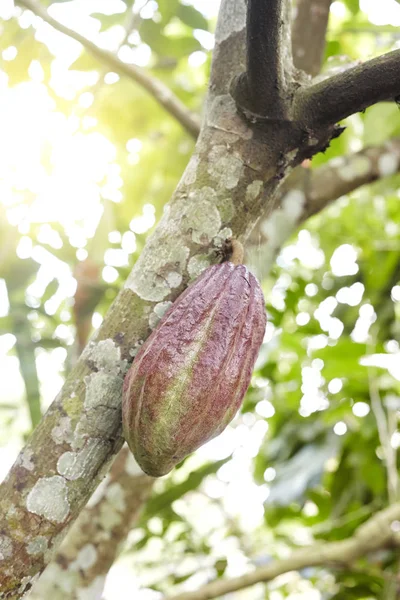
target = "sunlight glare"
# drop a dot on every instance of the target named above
(385, 12)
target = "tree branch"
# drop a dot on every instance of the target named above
(229, 55)
(369, 537)
(345, 174)
(342, 95)
(266, 44)
(156, 88)
(263, 89)
(87, 553)
(307, 191)
(309, 34)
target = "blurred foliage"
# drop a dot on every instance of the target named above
(304, 460)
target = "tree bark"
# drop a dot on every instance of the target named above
(309, 34)
(91, 545)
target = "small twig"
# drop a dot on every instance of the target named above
(160, 92)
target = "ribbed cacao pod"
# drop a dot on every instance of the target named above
(190, 376)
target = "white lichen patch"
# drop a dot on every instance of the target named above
(133, 351)
(149, 276)
(38, 545)
(100, 419)
(161, 308)
(85, 559)
(223, 115)
(62, 433)
(190, 174)
(254, 190)
(116, 496)
(202, 217)
(49, 499)
(358, 167)
(73, 465)
(153, 320)
(159, 311)
(291, 155)
(223, 235)
(102, 390)
(174, 279)
(226, 208)
(6, 547)
(197, 264)
(224, 167)
(25, 460)
(388, 164)
(234, 19)
(106, 356)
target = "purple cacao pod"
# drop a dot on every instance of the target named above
(189, 378)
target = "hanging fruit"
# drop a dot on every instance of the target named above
(189, 378)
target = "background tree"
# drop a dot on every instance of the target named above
(92, 149)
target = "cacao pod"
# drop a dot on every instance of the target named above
(189, 378)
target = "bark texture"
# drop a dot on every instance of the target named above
(84, 559)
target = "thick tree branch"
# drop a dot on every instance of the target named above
(309, 34)
(369, 537)
(263, 89)
(342, 95)
(86, 555)
(229, 55)
(266, 44)
(156, 88)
